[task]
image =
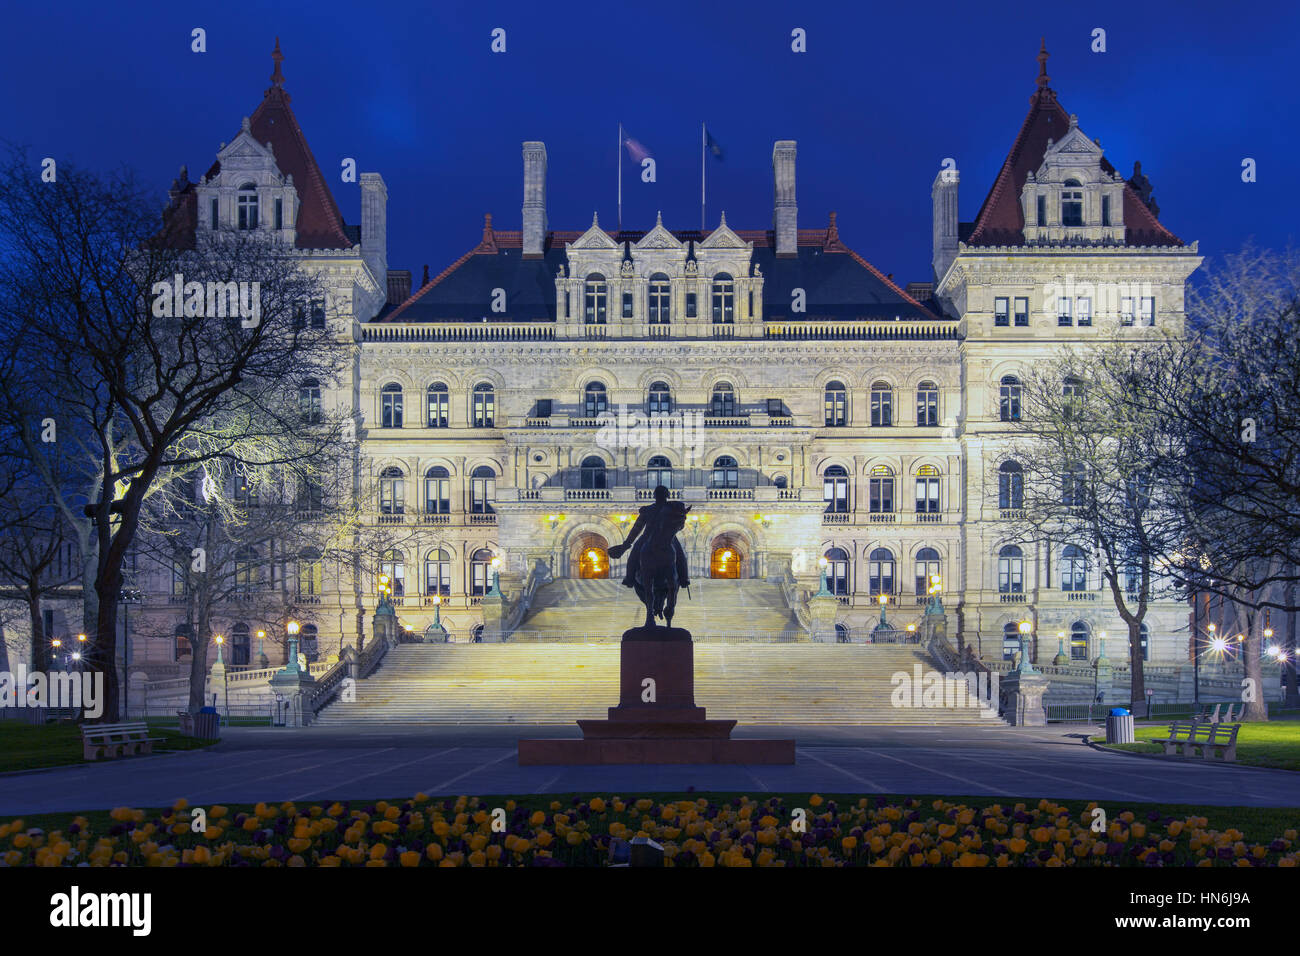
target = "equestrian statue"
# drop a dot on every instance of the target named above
(657, 566)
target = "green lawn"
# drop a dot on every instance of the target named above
(29, 746)
(1274, 743)
(1257, 824)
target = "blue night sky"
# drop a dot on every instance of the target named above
(881, 97)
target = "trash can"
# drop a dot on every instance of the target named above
(205, 723)
(1119, 726)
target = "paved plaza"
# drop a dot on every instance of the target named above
(317, 764)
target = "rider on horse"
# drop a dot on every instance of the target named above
(663, 516)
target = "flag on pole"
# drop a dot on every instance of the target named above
(635, 149)
(712, 145)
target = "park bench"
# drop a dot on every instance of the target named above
(116, 740)
(1192, 735)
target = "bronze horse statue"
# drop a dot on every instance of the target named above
(657, 568)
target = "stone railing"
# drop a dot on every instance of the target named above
(586, 494)
(481, 331)
(327, 685)
(796, 600)
(538, 574)
(869, 329)
(731, 494)
(371, 656)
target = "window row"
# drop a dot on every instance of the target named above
(1078, 639)
(237, 649)
(596, 300)
(1074, 310)
(835, 489)
(248, 571)
(1074, 487)
(836, 404)
(437, 572)
(437, 490)
(881, 572)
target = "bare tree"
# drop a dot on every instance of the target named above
(161, 357)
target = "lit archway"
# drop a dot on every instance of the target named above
(590, 555)
(726, 557)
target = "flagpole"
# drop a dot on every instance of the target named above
(620, 177)
(702, 149)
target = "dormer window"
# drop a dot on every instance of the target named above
(1072, 203)
(246, 204)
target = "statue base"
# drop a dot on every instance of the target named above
(656, 720)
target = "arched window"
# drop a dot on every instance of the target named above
(1079, 634)
(880, 571)
(660, 295)
(927, 405)
(927, 567)
(240, 646)
(309, 407)
(311, 574)
(836, 404)
(594, 399)
(181, 574)
(724, 400)
(480, 567)
(485, 406)
(781, 481)
(1010, 640)
(482, 490)
(882, 404)
(659, 400)
(1009, 399)
(835, 489)
(476, 635)
(392, 491)
(842, 634)
(392, 563)
(725, 474)
(1074, 569)
(437, 491)
(724, 299)
(881, 486)
(837, 571)
(390, 406)
(436, 399)
(595, 297)
(1072, 203)
(245, 486)
(437, 573)
(592, 472)
(927, 489)
(1074, 486)
(309, 643)
(1011, 486)
(1011, 570)
(659, 471)
(246, 206)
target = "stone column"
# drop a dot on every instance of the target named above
(1021, 695)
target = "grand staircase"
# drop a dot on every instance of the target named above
(557, 683)
(602, 609)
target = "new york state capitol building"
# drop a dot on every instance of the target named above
(806, 406)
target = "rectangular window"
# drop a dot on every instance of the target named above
(882, 495)
(627, 305)
(1148, 311)
(543, 408)
(1001, 311)
(1126, 311)
(927, 495)
(774, 406)
(1105, 210)
(690, 305)
(1042, 210)
(1022, 313)
(1084, 304)
(214, 214)
(279, 214)
(1064, 311)
(566, 306)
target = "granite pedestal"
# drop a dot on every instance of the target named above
(656, 720)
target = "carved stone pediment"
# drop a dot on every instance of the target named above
(594, 238)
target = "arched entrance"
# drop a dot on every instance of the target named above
(726, 557)
(590, 556)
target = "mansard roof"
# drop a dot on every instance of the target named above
(320, 225)
(1001, 219)
(837, 282)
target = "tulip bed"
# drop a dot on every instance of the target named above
(739, 831)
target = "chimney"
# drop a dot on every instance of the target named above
(943, 196)
(785, 215)
(534, 199)
(374, 224)
(399, 286)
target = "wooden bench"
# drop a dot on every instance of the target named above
(1193, 735)
(116, 740)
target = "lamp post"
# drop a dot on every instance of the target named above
(495, 590)
(1060, 659)
(291, 665)
(823, 591)
(1024, 665)
(262, 660)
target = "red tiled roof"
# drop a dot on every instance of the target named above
(1001, 221)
